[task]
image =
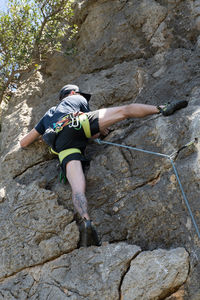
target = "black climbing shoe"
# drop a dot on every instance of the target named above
(170, 108)
(88, 234)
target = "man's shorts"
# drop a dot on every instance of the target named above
(72, 137)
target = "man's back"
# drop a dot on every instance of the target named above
(70, 104)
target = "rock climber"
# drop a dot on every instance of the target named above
(67, 128)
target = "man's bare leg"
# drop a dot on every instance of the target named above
(112, 115)
(76, 178)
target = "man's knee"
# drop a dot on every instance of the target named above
(125, 112)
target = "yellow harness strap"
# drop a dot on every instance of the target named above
(86, 125)
(65, 153)
(86, 128)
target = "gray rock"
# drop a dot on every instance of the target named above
(108, 272)
(34, 228)
(154, 275)
(93, 273)
(126, 51)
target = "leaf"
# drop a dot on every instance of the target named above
(28, 32)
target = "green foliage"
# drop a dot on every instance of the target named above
(29, 31)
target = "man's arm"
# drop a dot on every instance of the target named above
(29, 138)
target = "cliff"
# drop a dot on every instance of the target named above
(126, 51)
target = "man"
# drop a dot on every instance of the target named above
(70, 137)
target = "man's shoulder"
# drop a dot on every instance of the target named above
(50, 111)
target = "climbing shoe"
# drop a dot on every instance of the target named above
(170, 108)
(88, 234)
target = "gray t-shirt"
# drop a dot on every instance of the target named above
(74, 103)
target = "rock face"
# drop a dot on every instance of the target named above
(153, 275)
(34, 228)
(126, 51)
(101, 273)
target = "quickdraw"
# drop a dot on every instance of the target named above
(71, 119)
(75, 123)
(76, 120)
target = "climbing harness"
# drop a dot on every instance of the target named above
(171, 157)
(83, 118)
(65, 153)
(62, 155)
(77, 121)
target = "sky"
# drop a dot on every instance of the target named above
(3, 4)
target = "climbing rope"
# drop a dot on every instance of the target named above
(171, 157)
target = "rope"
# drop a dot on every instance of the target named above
(171, 158)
